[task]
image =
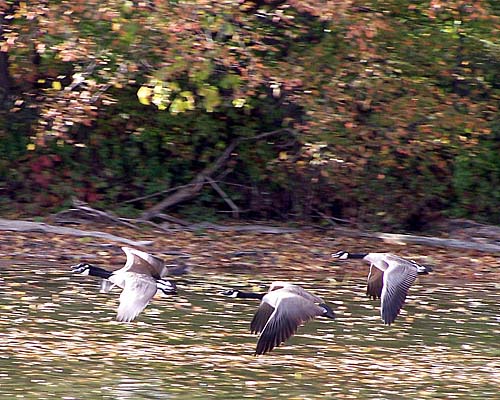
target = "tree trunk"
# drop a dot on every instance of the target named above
(4, 67)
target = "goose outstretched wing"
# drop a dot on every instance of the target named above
(397, 280)
(137, 292)
(375, 282)
(289, 313)
(144, 263)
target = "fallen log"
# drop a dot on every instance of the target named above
(422, 240)
(29, 226)
(275, 230)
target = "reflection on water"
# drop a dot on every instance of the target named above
(59, 340)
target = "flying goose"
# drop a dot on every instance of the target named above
(140, 279)
(389, 280)
(282, 309)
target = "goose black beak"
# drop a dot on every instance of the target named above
(328, 311)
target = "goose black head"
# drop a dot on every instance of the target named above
(166, 287)
(82, 269)
(231, 293)
(422, 269)
(341, 255)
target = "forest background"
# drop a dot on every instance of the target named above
(383, 113)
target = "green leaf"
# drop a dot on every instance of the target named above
(202, 74)
(230, 81)
(211, 97)
(183, 102)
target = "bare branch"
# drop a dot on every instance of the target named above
(224, 195)
(193, 188)
(82, 210)
(149, 196)
(331, 220)
(29, 226)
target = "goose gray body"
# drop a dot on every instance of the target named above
(389, 279)
(140, 278)
(282, 310)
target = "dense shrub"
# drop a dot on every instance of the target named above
(390, 109)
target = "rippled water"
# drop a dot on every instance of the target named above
(59, 340)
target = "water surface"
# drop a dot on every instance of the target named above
(59, 340)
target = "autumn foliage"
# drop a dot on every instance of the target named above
(389, 109)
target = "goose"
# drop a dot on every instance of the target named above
(282, 309)
(390, 280)
(140, 278)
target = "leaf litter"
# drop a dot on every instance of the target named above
(198, 345)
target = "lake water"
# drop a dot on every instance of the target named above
(59, 340)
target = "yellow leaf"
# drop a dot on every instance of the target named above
(31, 146)
(238, 103)
(56, 85)
(143, 94)
(283, 155)
(159, 89)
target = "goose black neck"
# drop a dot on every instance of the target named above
(100, 272)
(357, 255)
(249, 295)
